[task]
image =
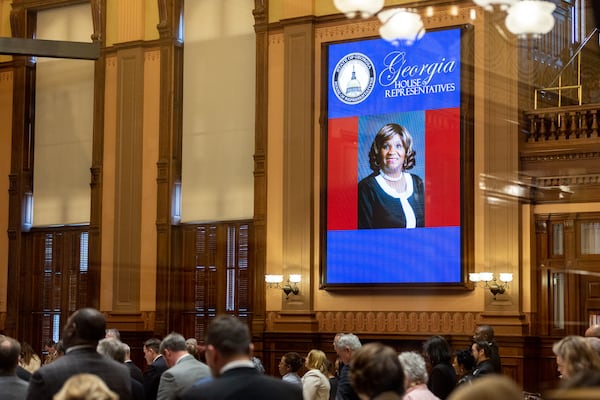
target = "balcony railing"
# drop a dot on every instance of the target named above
(573, 123)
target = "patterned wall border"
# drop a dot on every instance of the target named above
(387, 322)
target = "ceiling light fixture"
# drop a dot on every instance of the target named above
(530, 17)
(352, 8)
(488, 5)
(401, 25)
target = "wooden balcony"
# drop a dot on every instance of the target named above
(560, 153)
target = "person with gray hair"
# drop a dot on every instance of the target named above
(346, 345)
(11, 386)
(113, 333)
(184, 368)
(113, 348)
(415, 377)
(136, 372)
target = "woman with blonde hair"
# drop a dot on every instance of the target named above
(315, 383)
(575, 354)
(85, 387)
(29, 360)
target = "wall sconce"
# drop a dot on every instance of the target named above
(491, 282)
(273, 280)
(291, 287)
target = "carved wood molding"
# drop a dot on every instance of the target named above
(142, 321)
(391, 322)
(441, 17)
(546, 181)
(563, 157)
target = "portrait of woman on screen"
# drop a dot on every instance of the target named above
(390, 197)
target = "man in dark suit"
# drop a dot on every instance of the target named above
(483, 364)
(83, 330)
(11, 386)
(486, 333)
(136, 372)
(156, 366)
(228, 350)
(345, 347)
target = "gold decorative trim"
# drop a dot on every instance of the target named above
(347, 31)
(442, 17)
(388, 322)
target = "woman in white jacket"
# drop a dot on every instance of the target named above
(315, 384)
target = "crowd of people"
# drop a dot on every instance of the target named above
(91, 362)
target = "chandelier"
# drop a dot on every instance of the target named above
(523, 17)
(398, 24)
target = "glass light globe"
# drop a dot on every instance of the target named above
(366, 8)
(400, 24)
(530, 17)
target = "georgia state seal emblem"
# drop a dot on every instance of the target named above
(353, 78)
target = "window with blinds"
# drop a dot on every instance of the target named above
(215, 278)
(59, 260)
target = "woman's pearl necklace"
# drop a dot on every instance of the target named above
(391, 179)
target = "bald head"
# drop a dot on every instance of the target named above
(484, 333)
(85, 326)
(9, 355)
(593, 331)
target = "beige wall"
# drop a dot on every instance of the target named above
(5, 23)
(217, 183)
(131, 20)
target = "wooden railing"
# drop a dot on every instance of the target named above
(568, 122)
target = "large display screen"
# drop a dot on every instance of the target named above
(398, 164)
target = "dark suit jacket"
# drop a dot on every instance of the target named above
(136, 373)
(484, 368)
(442, 380)
(137, 390)
(23, 373)
(344, 388)
(49, 379)
(152, 377)
(243, 383)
